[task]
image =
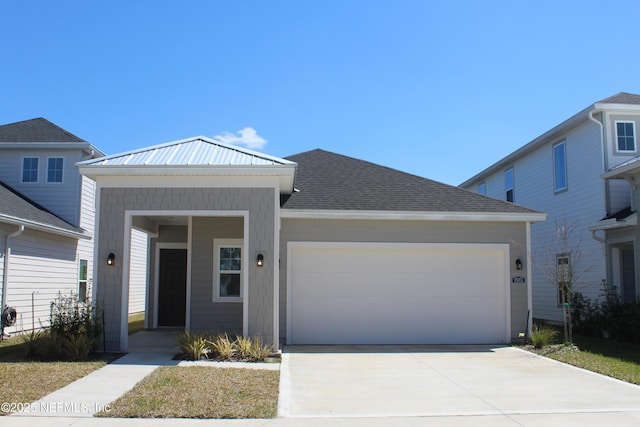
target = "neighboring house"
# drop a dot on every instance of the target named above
(561, 173)
(47, 218)
(317, 248)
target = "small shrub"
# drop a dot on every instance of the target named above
(32, 342)
(244, 347)
(543, 335)
(50, 346)
(193, 345)
(259, 351)
(223, 347)
(79, 346)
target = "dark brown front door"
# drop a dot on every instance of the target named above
(172, 287)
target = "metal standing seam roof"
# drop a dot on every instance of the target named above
(196, 151)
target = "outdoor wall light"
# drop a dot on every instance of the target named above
(518, 264)
(111, 258)
(260, 260)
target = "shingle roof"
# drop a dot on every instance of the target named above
(17, 208)
(196, 151)
(36, 130)
(622, 98)
(330, 181)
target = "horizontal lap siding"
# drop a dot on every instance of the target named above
(43, 264)
(137, 272)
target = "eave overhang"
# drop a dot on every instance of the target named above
(612, 223)
(413, 215)
(44, 227)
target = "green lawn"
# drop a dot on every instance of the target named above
(612, 358)
(136, 323)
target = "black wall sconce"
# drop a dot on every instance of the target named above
(260, 260)
(111, 258)
(518, 264)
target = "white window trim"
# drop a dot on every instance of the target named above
(22, 181)
(221, 243)
(86, 279)
(568, 264)
(47, 174)
(635, 139)
(513, 184)
(557, 190)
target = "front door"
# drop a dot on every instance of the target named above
(172, 287)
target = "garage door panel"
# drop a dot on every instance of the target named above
(403, 295)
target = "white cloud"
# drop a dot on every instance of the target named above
(247, 137)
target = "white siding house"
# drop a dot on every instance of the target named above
(561, 173)
(47, 219)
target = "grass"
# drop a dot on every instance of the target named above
(136, 323)
(607, 357)
(200, 392)
(27, 381)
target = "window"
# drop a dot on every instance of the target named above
(228, 254)
(482, 188)
(625, 134)
(508, 185)
(30, 169)
(563, 277)
(54, 169)
(559, 167)
(82, 281)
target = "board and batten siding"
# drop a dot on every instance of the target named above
(314, 230)
(582, 204)
(42, 266)
(207, 315)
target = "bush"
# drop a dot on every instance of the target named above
(223, 347)
(543, 335)
(79, 346)
(193, 345)
(259, 351)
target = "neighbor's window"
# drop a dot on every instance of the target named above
(559, 167)
(563, 277)
(54, 169)
(228, 255)
(82, 281)
(508, 185)
(482, 188)
(30, 169)
(625, 134)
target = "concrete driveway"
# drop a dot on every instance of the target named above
(419, 381)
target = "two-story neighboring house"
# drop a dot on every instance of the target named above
(47, 220)
(562, 173)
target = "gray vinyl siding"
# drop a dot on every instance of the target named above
(63, 199)
(41, 266)
(205, 314)
(582, 205)
(259, 202)
(514, 234)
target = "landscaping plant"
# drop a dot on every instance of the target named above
(193, 345)
(543, 335)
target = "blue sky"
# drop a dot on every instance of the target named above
(438, 89)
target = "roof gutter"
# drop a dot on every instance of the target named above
(413, 215)
(42, 227)
(5, 270)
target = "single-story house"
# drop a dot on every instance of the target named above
(316, 248)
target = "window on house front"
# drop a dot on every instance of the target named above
(54, 169)
(563, 278)
(508, 185)
(559, 167)
(30, 169)
(82, 280)
(625, 134)
(482, 188)
(228, 263)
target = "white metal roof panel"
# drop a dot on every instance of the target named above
(197, 151)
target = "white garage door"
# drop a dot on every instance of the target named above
(381, 293)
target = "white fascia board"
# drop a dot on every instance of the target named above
(613, 108)
(84, 146)
(619, 172)
(608, 224)
(413, 215)
(43, 227)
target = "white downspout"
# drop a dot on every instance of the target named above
(5, 271)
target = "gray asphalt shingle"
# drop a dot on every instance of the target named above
(36, 130)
